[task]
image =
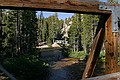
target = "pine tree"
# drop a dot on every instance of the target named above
(88, 29)
(52, 29)
(3, 34)
(72, 33)
(75, 33)
(29, 31)
(40, 31)
(79, 31)
(59, 27)
(1, 48)
(12, 33)
(8, 32)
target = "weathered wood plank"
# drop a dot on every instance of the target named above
(111, 42)
(7, 73)
(113, 76)
(65, 5)
(96, 47)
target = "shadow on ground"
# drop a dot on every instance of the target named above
(71, 69)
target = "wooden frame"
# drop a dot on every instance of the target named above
(111, 41)
(113, 76)
(81, 6)
(60, 5)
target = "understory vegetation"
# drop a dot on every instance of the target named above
(83, 56)
(27, 67)
(78, 54)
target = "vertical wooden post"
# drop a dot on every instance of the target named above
(96, 48)
(111, 43)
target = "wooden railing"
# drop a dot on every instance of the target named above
(113, 76)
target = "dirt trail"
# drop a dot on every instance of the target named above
(66, 69)
(72, 69)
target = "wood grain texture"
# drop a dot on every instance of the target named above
(95, 50)
(65, 5)
(111, 43)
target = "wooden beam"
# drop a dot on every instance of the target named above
(113, 76)
(96, 47)
(65, 5)
(7, 73)
(111, 43)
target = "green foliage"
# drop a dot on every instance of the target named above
(118, 60)
(75, 32)
(53, 28)
(119, 53)
(65, 51)
(82, 55)
(88, 30)
(27, 67)
(78, 54)
(113, 1)
(29, 30)
(18, 33)
(101, 57)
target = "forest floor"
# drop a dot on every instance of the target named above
(66, 69)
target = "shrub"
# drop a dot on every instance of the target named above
(101, 57)
(78, 54)
(66, 51)
(27, 67)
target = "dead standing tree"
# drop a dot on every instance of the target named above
(65, 30)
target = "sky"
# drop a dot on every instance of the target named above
(103, 0)
(106, 0)
(62, 15)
